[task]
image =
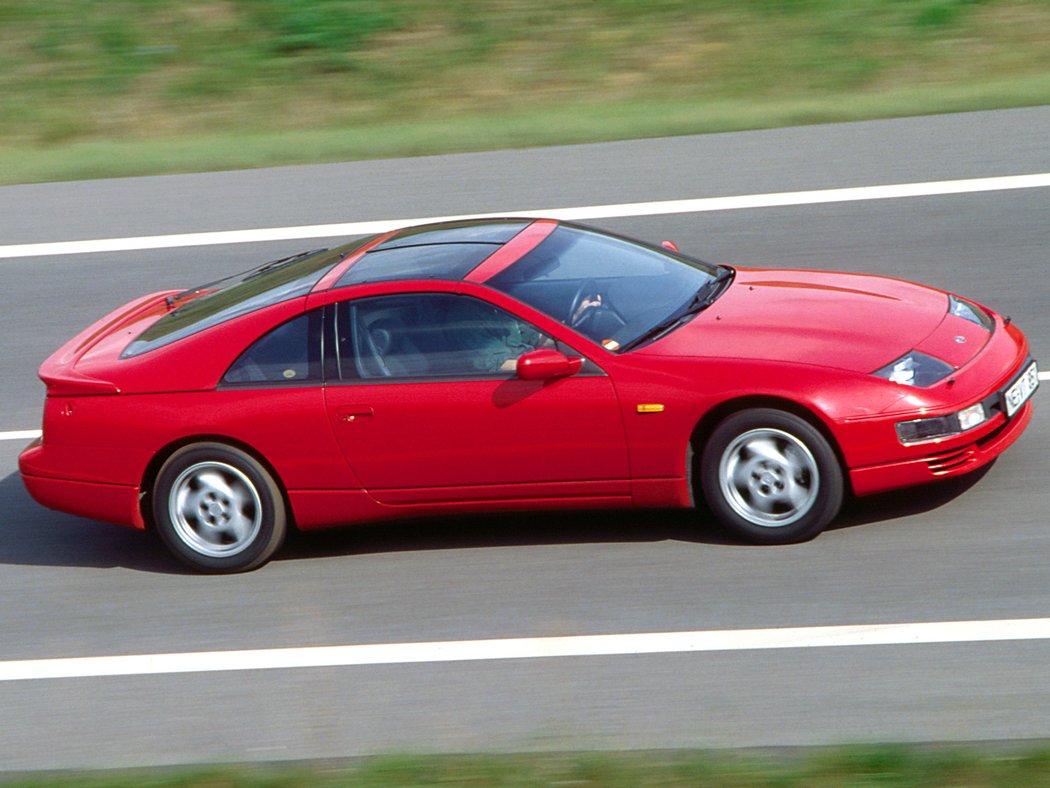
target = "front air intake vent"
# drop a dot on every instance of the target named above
(951, 461)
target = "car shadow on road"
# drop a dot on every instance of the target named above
(607, 526)
(34, 536)
(906, 503)
(31, 535)
(506, 530)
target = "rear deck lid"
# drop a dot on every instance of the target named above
(63, 372)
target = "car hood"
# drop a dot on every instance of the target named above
(853, 322)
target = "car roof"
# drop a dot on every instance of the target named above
(445, 251)
(482, 231)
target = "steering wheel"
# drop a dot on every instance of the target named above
(587, 291)
(601, 319)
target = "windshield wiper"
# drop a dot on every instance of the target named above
(710, 292)
(700, 300)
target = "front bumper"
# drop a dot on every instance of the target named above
(942, 463)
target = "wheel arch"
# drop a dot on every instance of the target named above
(149, 475)
(711, 419)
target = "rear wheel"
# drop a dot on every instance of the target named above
(771, 477)
(217, 509)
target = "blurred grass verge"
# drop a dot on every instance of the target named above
(885, 765)
(96, 88)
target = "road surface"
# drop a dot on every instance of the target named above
(971, 551)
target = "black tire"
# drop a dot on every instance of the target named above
(217, 509)
(771, 477)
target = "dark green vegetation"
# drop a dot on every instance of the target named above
(95, 87)
(874, 766)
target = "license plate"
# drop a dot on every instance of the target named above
(1021, 389)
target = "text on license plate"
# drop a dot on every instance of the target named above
(1022, 388)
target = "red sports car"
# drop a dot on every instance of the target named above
(516, 364)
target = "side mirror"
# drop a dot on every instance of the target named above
(670, 245)
(547, 363)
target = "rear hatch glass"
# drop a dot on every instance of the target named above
(216, 302)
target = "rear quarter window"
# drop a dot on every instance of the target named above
(288, 354)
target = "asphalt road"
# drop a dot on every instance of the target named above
(971, 550)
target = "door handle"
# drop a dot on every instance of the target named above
(355, 414)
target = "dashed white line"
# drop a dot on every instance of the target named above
(19, 435)
(662, 207)
(530, 648)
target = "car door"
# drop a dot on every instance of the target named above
(425, 405)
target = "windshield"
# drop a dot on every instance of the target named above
(224, 299)
(610, 289)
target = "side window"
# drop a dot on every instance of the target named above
(290, 353)
(429, 336)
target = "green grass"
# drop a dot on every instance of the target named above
(547, 126)
(90, 88)
(820, 768)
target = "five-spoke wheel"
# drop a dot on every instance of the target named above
(771, 477)
(218, 509)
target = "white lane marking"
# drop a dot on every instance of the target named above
(530, 648)
(698, 205)
(19, 435)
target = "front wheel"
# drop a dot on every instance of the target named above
(217, 509)
(771, 477)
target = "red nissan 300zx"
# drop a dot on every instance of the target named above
(515, 364)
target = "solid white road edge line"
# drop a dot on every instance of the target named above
(530, 648)
(26, 435)
(699, 205)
